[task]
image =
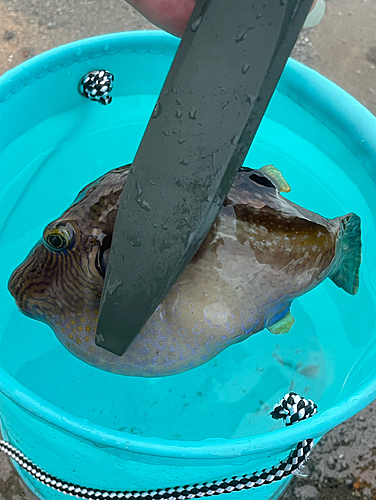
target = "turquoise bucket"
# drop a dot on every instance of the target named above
(111, 432)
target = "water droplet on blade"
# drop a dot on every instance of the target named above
(145, 205)
(135, 242)
(195, 25)
(245, 68)
(234, 140)
(242, 36)
(157, 110)
(142, 203)
(113, 285)
(139, 192)
(192, 115)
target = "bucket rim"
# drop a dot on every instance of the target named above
(344, 116)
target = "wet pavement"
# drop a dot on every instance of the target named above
(343, 464)
(343, 48)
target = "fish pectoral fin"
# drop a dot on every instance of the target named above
(277, 178)
(283, 325)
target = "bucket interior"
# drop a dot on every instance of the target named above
(330, 350)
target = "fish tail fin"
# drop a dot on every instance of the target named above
(346, 276)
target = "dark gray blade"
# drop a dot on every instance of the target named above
(215, 95)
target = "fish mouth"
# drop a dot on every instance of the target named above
(16, 287)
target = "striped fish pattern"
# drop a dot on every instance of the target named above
(262, 252)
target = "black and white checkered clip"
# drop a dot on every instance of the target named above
(97, 86)
(292, 409)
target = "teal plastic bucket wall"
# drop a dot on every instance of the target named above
(118, 433)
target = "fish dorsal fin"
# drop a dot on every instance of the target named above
(276, 177)
(283, 325)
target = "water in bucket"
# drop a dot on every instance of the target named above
(46, 157)
(303, 361)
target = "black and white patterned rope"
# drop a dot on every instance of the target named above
(292, 409)
(97, 86)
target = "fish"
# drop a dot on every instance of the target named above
(262, 252)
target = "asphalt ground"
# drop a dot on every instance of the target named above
(343, 48)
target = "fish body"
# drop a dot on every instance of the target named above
(262, 252)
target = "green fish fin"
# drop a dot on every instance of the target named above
(283, 325)
(346, 276)
(277, 178)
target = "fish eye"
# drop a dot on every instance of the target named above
(103, 255)
(57, 239)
